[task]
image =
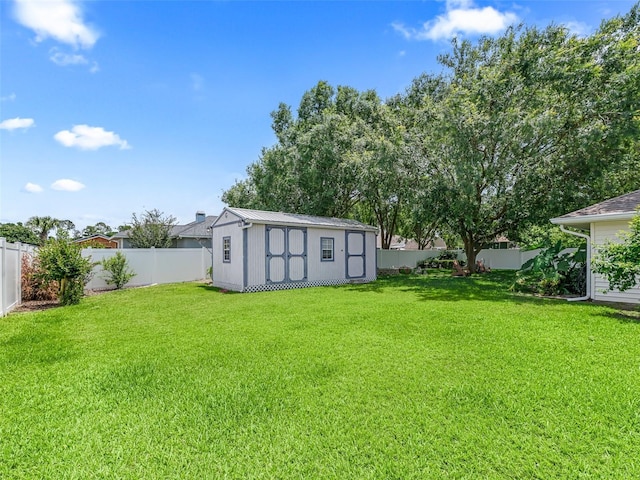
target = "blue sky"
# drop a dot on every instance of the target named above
(113, 107)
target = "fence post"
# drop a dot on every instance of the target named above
(3, 276)
(18, 283)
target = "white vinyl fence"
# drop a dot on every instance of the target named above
(511, 259)
(10, 273)
(153, 265)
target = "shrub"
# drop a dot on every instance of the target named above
(118, 272)
(32, 282)
(62, 261)
(444, 260)
(620, 262)
(552, 272)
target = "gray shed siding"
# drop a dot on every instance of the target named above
(274, 256)
(229, 274)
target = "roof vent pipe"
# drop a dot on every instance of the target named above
(588, 239)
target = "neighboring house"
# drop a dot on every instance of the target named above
(254, 250)
(192, 235)
(599, 223)
(96, 241)
(501, 243)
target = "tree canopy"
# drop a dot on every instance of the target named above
(152, 228)
(17, 232)
(515, 130)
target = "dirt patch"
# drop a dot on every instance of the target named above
(39, 305)
(36, 306)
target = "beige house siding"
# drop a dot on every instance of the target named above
(600, 233)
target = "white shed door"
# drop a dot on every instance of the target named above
(355, 253)
(297, 254)
(286, 251)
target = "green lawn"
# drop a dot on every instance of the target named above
(408, 377)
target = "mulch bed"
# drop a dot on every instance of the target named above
(36, 305)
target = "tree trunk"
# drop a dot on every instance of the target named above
(471, 250)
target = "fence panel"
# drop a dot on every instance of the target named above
(404, 258)
(10, 274)
(509, 259)
(153, 265)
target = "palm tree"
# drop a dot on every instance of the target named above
(41, 226)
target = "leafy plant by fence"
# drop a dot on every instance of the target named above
(117, 270)
(554, 271)
(32, 280)
(62, 261)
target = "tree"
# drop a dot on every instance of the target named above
(309, 170)
(42, 226)
(16, 232)
(385, 169)
(342, 155)
(620, 262)
(151, 229)
(62, 261)
(99, 228)
(514, 133)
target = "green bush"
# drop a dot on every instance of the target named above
(118, 272)
(444, 260)
(620, 262)
(62, 261)
(552, 272)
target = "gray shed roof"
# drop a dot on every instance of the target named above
(295, 219)
(618, 208)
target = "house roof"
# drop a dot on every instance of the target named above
(295, 219)
(92, 237)
(194, 229)
(618, 208)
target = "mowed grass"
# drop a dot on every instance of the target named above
(408, 377)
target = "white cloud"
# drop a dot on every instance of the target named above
(9, 98)
(59, 19)
(64, 59)
(461, 17)
(85, 137)
(32, 188)
(17, 123)
(67, 185)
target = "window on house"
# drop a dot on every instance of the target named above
(326, 247)
(226, 249)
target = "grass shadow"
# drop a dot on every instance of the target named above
(440, 285)
(211, 288)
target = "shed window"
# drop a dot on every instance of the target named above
(326, 247)
(226, 249)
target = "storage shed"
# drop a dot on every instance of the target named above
(255, 250)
